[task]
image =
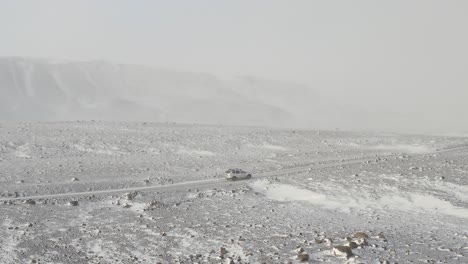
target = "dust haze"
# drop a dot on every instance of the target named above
(233, 132)
(362, 66)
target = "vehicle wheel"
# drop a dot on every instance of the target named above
(234, 178)
(249, 176)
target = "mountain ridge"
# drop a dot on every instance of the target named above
(60, 90)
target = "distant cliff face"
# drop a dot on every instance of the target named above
(47, 90)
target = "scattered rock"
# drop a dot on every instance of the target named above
(130, 196)
(73, 203)
(152, 206)
(229, 261)
(30, 202)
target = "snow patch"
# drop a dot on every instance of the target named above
(192, 196)
(268, 146)
(451, 190)
(454, 134)
(274, 147)
(96, 247)
(138, 207)
(60, 83)
(23, 151)
(399, 201)
(458, 191)
(28, 71)
(406, 148)
(9, 245)
(99, 149)
(414, 149)
(286, 192)
(193, 152)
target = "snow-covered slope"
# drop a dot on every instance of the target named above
(41, 89)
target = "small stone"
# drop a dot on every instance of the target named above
(342, 251)
(328, 241)
(303, 257)
(351, 245)
(222, 252)
(361, 235)
(361, 242)
(299, 250)
(73, 203)
(75, 179)
(382, 237)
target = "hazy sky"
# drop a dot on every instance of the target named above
(405, 56)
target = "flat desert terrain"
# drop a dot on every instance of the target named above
(100, 192)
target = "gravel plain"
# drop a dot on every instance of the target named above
(99, 192)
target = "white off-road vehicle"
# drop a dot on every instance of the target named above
(237, 174)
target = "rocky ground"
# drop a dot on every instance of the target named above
(403, 199)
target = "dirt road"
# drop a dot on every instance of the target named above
(198, 184)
